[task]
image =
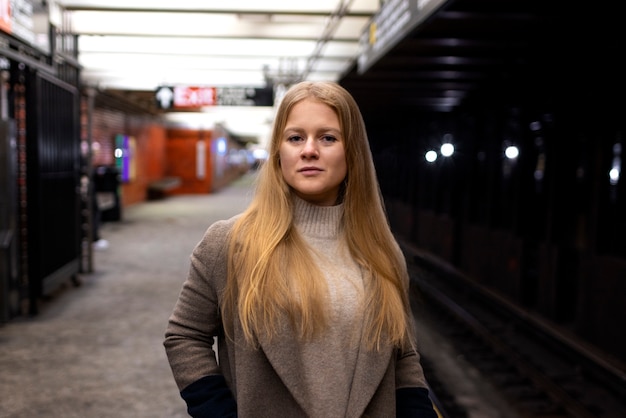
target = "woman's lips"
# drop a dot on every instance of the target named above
(309, 170)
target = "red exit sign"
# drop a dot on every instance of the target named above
(194, 96)
(186, 97)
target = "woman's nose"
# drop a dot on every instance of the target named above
(309, 150)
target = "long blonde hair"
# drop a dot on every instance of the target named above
(264, 245)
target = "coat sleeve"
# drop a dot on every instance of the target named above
(194, 325)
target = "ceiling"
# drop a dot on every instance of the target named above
(470, 53)
(448, 53)
(465, 49)
(131, 47)
(141, 44)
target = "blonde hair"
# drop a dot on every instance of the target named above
(264, 245)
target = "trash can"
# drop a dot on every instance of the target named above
(107, 188)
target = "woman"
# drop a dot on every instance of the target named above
(307, 290)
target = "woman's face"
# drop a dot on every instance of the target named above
(312, 155)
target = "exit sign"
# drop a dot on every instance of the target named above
(186, 97)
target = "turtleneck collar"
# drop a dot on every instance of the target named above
(317, 221)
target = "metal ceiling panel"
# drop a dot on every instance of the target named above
(189, 41)
(465, 49)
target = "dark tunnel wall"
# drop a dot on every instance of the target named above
(546, 230)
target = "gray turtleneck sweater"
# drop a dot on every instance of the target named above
(329, 361)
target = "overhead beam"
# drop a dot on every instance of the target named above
(152, 9)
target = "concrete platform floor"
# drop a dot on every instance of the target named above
(96, 350)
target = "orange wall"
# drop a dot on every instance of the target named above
(183, 159)
(160, 152)
(148, 154)
(149, 160)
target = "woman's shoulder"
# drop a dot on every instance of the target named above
(216, 235)
(223, 226)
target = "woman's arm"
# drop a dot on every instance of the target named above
(193, 326)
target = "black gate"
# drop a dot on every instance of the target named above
(52, 184)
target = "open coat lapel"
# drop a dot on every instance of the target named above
(371, 368)
(280, 353)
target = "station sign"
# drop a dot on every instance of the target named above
(394, 21)
(189, 97)
(28, 21)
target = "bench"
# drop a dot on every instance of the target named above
(158, 189)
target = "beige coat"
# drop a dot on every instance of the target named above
(266, 381)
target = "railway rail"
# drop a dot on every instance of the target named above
(537, 368)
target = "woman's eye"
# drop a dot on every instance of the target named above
(294, 138)
(329, 138)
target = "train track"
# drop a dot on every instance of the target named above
(540, 372)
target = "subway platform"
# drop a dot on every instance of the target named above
(96, 349)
